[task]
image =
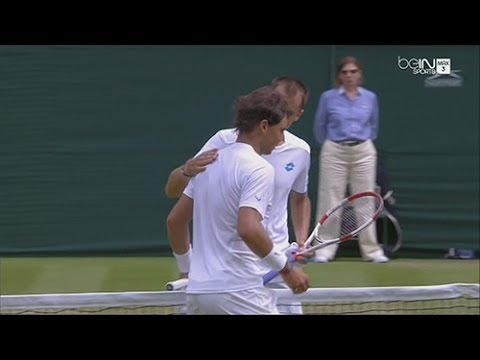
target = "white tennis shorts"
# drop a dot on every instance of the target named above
(246, 302)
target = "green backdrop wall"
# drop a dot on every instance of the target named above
(90, 134)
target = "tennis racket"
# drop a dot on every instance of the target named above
(341, 223)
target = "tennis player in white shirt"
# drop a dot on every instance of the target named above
(229, 202)
(291, 161)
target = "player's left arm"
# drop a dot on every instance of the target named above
(300, 212)
(300, 206)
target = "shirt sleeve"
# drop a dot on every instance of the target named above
(320, 123)
(300, 184)
(220, 140)
(257, 191)
(188, 191)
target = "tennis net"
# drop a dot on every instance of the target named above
(436, 299)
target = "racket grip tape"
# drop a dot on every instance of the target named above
(179, 284)
(270, 276)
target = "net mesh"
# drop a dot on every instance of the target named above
(438, 299)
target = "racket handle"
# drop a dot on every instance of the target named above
(179, 284)
(270, 276)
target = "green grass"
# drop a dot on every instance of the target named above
(66, 275)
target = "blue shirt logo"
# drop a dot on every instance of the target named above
(289, 166)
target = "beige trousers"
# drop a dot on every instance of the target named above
(354, 166)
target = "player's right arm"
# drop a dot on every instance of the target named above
(256, 195)
(179, 178)
(251, 230)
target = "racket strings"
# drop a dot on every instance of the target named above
(348, 218)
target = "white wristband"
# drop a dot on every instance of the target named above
(275, 260)
(183, 261)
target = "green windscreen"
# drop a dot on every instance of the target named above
(91, 133)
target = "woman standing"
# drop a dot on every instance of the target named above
(346, 123)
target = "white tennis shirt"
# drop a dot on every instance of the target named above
(221, 261)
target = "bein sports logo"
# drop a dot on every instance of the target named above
(425, 66)
(440, 69)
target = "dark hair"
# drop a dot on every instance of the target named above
(264, 103)
(292, 87)
(348, 60)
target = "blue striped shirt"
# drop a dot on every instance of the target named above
(338, 118)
